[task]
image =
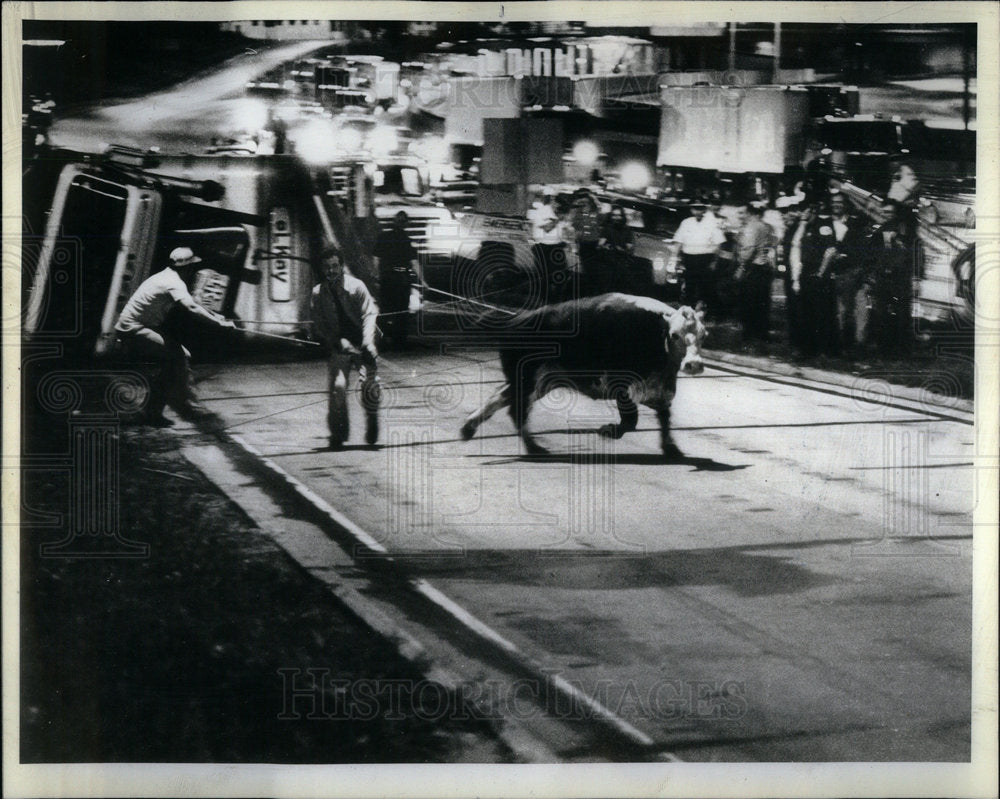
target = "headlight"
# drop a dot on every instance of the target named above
(635, 176)
(315, 142)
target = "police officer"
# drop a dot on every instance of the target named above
(345, 316)
(140, 331)
(893, 269)
(817, 300)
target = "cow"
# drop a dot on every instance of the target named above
(614, 346)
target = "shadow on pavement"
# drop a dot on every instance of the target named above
(628, 459)
(745, 573)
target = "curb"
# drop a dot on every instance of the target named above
(524, 749)
(866, 385)
(640, 745)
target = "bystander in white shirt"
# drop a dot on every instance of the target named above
(699, 236)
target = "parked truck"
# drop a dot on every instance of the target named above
(754, 132)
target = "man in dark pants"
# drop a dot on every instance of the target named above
(848, 276)
(140, 331)
(818, 303)
(396, 262)
(586, 221)
(795, 225)
(891, 249)
(345, 317)
(700, 238)
(754, 260)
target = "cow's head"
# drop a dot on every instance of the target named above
(685, 333)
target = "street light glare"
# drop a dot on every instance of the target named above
(586, 153)
(635, 176)
(349, 140)
(383, 140)
(314, 142)
(250, 116)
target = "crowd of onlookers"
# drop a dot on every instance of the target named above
(848, 281)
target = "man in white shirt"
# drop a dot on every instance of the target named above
(139, 329)
(700, 238)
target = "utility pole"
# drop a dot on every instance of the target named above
(966, 77)
(776, 74)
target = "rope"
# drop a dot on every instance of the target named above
(274, 335)
(459, 298)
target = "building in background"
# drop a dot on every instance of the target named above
(292, 29)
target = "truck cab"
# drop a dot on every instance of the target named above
(114, 219)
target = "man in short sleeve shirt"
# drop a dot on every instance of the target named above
(140, 330)
(700, 237)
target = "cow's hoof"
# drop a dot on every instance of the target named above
(615, 430)
(535, 449)
(468, 431)
(611, 431)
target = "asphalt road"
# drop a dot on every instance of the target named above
(798, 588)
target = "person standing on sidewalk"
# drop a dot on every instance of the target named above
(818, 303)
(848, 276)
(345, 317)
(892, 249)
(397, 265)
(140, 331)
(791, 253)
(616, 245)
(700, 238)
(586, 220)
(754, 266)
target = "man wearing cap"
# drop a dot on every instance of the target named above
(700, 238)
(139, 329)
(345, 316)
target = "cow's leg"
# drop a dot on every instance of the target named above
(520, 407)
(499, 399)
(628, 413)
(670, 450)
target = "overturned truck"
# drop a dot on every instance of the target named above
(256, 223)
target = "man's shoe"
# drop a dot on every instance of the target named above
(335, 444)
